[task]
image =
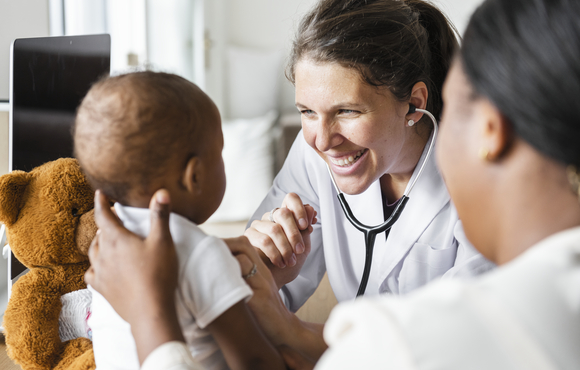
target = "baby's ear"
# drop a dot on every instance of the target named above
(12, 187)
(191, 173)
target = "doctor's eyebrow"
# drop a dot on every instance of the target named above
(336, 106)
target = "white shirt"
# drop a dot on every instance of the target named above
(209, 284)
(170, 356)
(425, 243)
(523, 315)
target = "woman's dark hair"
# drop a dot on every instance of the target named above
(524, 56)
(392, 43)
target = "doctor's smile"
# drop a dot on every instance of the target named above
(346, 160)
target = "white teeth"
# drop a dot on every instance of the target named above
(347, 161)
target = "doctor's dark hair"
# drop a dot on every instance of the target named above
(391, 43)
(524, 56)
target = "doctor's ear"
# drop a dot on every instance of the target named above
(191, 175)
(418, 99)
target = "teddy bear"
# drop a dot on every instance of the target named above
(48, 214)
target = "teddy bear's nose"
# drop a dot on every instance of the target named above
(86, 231)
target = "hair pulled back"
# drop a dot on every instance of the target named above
(524, 56)
(391, 43)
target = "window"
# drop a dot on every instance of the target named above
(156, 34)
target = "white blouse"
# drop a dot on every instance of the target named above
(523, 315)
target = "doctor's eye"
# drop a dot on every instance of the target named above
(348, 111)
(307, 112)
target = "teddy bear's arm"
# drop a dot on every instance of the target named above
(31, 319)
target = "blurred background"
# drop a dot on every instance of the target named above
(233, 49)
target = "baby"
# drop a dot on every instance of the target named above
(137, 133)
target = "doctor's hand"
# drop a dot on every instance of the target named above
(286, 241)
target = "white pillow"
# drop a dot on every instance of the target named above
(253, 81)
(249, 166)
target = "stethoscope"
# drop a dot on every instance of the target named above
(371, 232)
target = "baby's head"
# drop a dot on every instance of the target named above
(139, 132)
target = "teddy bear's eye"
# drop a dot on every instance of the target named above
(75, 212)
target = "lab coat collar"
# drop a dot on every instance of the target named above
(426, 200)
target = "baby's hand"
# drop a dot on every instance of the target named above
(283, 235)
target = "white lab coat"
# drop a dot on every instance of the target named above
(425, 243)
(523, 315)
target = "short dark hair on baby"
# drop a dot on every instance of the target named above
(130, 130)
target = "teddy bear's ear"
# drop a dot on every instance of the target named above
(12, 187)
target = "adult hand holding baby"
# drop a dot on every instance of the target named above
(137, 276)
(141, 290)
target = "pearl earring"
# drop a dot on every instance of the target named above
(410, 123)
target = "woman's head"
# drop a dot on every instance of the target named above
(510, 122)
(391, 43)
(357, 64)
(524, 56)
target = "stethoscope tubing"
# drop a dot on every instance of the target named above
(371, 232)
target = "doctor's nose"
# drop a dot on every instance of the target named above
(326, 135)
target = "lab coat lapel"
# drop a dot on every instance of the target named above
(426, 200)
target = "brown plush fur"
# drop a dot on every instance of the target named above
(48, 214)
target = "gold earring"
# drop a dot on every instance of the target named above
(484, 154)
(574, 179)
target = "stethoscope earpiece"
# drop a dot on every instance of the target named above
(412, 109)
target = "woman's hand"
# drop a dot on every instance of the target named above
(138, 277)
(286, 241)
(281, 326)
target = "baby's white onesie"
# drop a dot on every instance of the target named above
(210, 282)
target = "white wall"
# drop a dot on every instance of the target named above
(270, 24)
(19, 18)
(459, 11)
(267, 24)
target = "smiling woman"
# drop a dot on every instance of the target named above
(355, 88)
(345, 118)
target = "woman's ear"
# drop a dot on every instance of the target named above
(496, 131)
(419, 96)
(191, 175)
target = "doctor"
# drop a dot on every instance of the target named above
(357, 66)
